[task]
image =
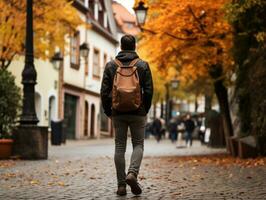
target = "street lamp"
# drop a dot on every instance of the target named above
(84, 50)
(29, 74)
(141, 13)
(56, 60)
(30, 140)
(173, 84)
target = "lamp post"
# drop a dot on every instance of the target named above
(84, 52)
(56, 60)
(173, 84)
(30, 140)
(29, 75)
(84, 49)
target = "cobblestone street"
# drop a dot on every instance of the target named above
(85, 170)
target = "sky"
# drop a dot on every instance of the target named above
(127, 3)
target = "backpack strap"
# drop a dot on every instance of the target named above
(133, 62)
(118, 63)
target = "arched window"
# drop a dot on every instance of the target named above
(92, 120)
(38, 106)
(52, 110)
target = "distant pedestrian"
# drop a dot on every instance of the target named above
(189, 128)
(157, 127)
(173, 130)
(126, 95)
(148, 130)
(163, 129)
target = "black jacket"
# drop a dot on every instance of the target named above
(189, 125)
(145, 78)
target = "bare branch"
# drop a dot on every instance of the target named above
(201, 25)
(170, 35)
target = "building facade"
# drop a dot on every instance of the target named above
(72, 92)
(81, 106)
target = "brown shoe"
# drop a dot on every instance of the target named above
(132, 181)
(121, 191)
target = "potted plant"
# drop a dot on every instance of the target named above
(9, 108)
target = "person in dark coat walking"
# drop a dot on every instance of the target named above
(189, 128)
(173, 130)
(134, 120)
(156, 128)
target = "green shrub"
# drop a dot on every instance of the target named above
(9, 103)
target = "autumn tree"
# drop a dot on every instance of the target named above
(53, 20)
(248, 18)
(194, 38)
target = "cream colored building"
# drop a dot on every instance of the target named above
(46, 90)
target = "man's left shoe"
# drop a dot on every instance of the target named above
(121, 191)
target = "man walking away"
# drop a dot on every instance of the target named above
(189, 128)
(126, 95)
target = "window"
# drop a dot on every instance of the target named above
(74, 51)
(96, 11)
(91, 6)
(105, 20)
(87, 66)
(96, 63)
(86, 3)
(129, 25)
(82, 1)
(101, 17)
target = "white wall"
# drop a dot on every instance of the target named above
(105, 47)
(47, 84)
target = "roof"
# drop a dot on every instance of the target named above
(125, 21)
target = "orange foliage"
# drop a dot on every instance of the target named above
(220, 160)
(52, 19)
(188, 35)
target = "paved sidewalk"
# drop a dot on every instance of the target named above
(85, 170)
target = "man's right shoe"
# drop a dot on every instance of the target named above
(132, 181)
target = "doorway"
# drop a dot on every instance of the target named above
(52, 109)
(86, 113)
(92, 120)
(70, 112)
(38, 105)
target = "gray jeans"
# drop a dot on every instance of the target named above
(137, 128)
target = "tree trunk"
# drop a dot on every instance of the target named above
(196, 103)
(162, 110)
(222, 96)
(208, 102)
(216, 72)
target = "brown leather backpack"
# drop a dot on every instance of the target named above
(126, 92)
